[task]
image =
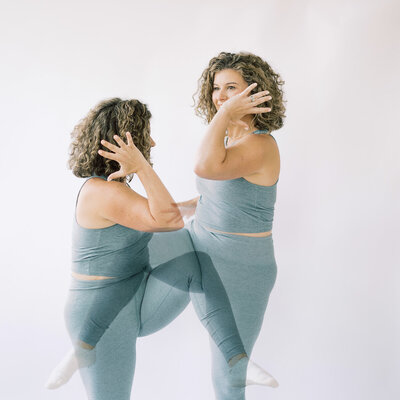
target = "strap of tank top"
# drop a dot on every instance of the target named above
(258, 132)
(83, 184)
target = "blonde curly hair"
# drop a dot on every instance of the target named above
(110, 117)
(253, 69)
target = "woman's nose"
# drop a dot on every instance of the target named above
(222, 94)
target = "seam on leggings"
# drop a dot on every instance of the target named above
(155, 312)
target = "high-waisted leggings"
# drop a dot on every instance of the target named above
(247, 268)
(163, 294)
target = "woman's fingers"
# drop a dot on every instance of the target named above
(260, 110)
(249, 89)
(129, 138)
(111, 156)
(115, 175)
(110, 146)
(121, 154)
(261, 100)
(256, 97)
(121, 143)
(114, 148)
(260, 94)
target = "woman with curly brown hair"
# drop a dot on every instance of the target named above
(237, 169)
(126, 280)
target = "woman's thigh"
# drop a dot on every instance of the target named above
(173, 263)
(247, 269)
(111, 374)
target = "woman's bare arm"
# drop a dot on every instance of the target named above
(214, 161)
(120, 204)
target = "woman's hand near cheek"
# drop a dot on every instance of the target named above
(128, 156)
(243, 104)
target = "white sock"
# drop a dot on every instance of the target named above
(257, 376)
(75, 359)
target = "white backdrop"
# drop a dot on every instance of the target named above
(331, 330)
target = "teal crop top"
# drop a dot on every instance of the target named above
(115, 251)
(236, 205)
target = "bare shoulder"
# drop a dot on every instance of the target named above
(263, 145)
(265, 141)
(97, 196)
(266, 147)
(100, 188)
(102, 195)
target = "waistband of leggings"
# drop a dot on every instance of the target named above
(231, 235)
(80, 284)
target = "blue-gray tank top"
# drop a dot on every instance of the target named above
(116, 251)
(235, 205)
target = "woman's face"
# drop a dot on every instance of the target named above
(227, 83)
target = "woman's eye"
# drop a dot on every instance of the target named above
(231, 87)
(215, 88)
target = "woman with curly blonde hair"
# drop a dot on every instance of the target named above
(128, 281)
(237, 169)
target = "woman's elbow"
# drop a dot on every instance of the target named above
(172, 224)
(202, 171)
(180, 224)
(197, 169)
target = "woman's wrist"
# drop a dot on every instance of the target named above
(225, 113)
(143, 168)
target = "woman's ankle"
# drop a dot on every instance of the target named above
(236, 358)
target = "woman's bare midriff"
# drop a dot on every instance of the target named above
(260, 234)
(89, 277)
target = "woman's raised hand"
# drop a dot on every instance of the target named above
(243, 104)
(127, 155)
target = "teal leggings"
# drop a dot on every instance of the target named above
(245, 265)
(139, 305)
(247, 268)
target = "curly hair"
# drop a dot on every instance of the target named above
(110, 117)
(253, 69)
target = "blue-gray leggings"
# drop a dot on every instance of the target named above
(247, 268)
(160, 298)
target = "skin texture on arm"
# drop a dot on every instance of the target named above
(103, 203)
(246, 156)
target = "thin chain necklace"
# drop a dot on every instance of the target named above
(232, 140)
(256, 132)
